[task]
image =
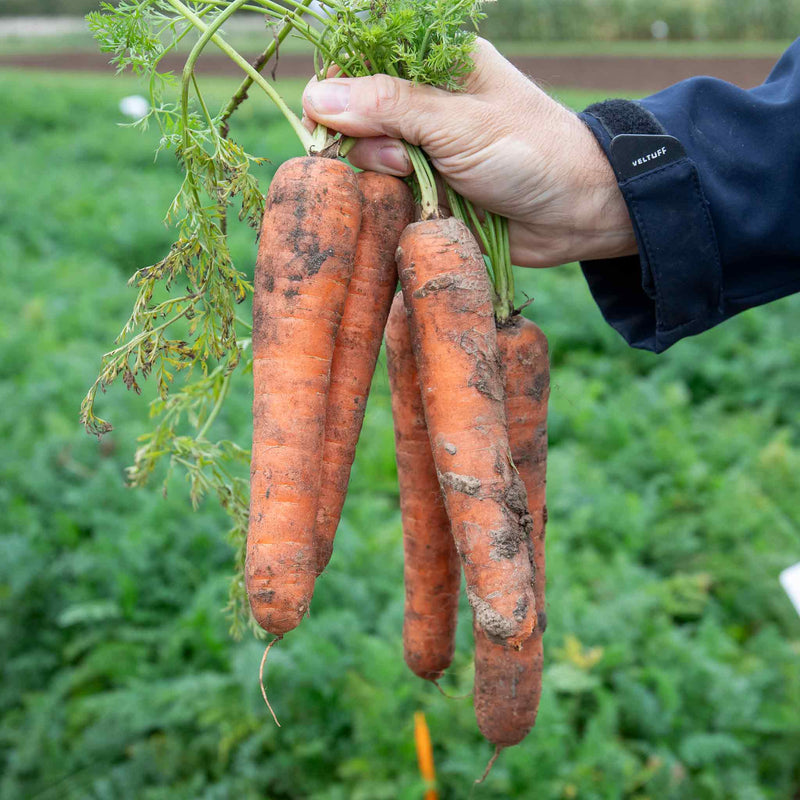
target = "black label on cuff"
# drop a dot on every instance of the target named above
(634, 154)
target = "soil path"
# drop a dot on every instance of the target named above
(603, 73)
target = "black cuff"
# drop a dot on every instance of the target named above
(673, 287)
(624, 116)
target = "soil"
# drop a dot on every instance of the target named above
(603, 73)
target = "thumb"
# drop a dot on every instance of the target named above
(380, 105)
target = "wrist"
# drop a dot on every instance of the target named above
(604, 228)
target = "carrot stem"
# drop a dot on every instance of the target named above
(500, 273)
(322, 139)
(429, 198)
(223, 394)
(259, 64)
(199, 46)
(298, 5)
(507, 261)
(204, 107)
(223, 4)
(503, 270)
(302, 134)
(348, 143)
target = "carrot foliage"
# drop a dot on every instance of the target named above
(429, 41)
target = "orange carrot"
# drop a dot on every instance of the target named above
(431, 569)
(387, 208)
(523, 348)
(422, 740)
(446, 289)
(508, 683)
(305, 260)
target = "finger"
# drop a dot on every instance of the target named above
(493, 72)
(380, 106)
(489, 68)
(381, 154)
(307, 123)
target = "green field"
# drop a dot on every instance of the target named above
(673, 657)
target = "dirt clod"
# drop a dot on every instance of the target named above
(494, 625)
(506, 542)
(466, 484)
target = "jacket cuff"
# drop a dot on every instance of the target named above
(673, 288)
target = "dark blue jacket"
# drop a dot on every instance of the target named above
(716, 214)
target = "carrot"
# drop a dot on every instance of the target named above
(508, 682)
(386, 210)
(523, 349)
(446, 289)
(305, 260)
(431, 568)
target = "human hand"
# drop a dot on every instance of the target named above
(502, 143)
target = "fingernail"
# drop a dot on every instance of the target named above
(395, 158)
(328, 97)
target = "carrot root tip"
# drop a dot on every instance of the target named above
(261, 677)
(450, 696)
(497, 750)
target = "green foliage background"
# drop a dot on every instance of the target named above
(672, 654)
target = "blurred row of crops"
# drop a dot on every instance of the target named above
(610, 20)
(582, 20)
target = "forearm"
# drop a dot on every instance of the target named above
(716, 228)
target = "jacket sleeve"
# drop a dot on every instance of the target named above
(717, 219)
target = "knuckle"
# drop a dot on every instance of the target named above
(483, 47)
(386, 94)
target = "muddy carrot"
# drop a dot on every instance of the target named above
(431, 568)
(524, 351)
(387, 209)
(508, 683)
(305, 260)
(446, 289)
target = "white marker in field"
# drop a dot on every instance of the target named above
(790, 580)
(134, 106)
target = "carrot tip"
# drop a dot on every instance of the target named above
(450, 696)
(261, 677)
(497, 750)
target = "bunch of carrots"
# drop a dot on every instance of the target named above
(469, 375)
(469, 400)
